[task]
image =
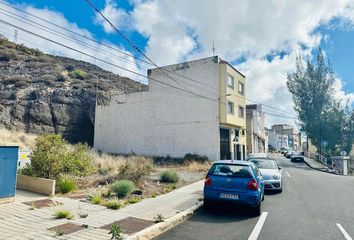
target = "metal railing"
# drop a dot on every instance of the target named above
(318, 157)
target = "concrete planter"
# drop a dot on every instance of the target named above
(36, 185)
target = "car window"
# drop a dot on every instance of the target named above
(265, 164)
(231, 170)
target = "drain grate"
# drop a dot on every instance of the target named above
(67, 228)
(43, 203)
(131, 225)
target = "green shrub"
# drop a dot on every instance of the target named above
(169, 177)
(78, 74)
(114, 204)
(63, 214)
(123, 187)
(52, 156)
(65, 184)
(96, 198)
(116, 232)
(132, 200)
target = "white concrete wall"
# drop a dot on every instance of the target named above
(165, 120)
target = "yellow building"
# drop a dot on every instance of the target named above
(232, 108)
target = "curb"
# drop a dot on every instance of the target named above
(159, 228)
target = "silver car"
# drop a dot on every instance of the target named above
(271, 172)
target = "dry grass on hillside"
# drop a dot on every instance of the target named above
(22, 139)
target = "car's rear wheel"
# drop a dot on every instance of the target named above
(257, 210)
(207, 204)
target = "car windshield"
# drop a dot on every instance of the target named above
(265, 164)
(231, 170)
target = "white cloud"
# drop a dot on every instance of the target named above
(117, 16)
(340, 94)
(71, 40)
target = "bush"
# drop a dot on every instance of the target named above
(114, 204)
(123, 187)
(135, 169)
(63, 214)
(52, 156)
(78, 74)
(169, 177)
(96, 198)
(65, 184)
(196, 158)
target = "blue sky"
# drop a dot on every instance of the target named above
(260, 38)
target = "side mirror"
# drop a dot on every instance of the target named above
(279, 168)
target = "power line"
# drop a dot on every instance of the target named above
(93, 40)
(71, 31)
(65, 36)
(122, 59)
(99, 59)
(137, 48)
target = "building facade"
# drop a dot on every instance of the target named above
(284, 136)
(256, 132)
(192, 107)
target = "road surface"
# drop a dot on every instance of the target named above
(313, 205)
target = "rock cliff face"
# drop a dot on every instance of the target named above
(40, 93)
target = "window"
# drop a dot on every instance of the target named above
(241, 111)
(241, 88)
(231, 170)
(230, 81)
(230, 108)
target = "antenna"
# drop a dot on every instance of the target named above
(213, 49)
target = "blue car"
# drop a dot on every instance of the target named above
(231, 181)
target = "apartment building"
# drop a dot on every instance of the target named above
(256, 132)
(191, 107)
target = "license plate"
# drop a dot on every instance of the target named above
(228, 196)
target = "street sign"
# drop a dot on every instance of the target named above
(343, 153)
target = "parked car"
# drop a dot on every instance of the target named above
(257, 155)
(271, 172)
(297, 157)
(234, 182)
(289, 154)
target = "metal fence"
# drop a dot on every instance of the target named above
(318, 157)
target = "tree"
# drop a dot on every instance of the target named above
(321, 116)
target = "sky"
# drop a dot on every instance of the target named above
(260, 38)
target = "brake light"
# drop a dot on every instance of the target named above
(207, 181)
(252, 184)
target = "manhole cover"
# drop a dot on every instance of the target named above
(67, 228)
(43, 203)
(131, 225)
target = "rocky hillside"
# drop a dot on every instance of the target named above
(40, 93)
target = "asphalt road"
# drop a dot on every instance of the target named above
(313, 205)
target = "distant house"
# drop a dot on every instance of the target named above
(191, 107)
(284, 136)
(257, 141)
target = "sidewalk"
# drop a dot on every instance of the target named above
(18, 221)
(314, 164)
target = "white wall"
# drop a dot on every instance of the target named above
(165, 121)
